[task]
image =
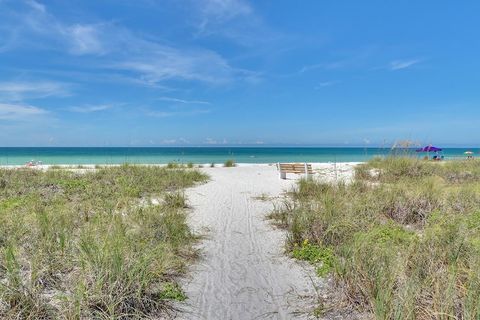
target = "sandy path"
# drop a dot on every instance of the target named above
(244, 273)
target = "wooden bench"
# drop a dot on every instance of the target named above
(297, 168)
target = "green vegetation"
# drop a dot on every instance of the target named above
(176, 165)
(229, 163)
(402, 240)
(86, 246)
(323, 257)
(172, 291)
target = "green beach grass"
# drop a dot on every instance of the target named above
(92, 245)
(402, 241)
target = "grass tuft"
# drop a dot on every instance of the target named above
(320, 256)
(172, 291)
(229, 164)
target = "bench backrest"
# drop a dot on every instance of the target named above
(295, 168)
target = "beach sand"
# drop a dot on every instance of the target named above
(243, 272)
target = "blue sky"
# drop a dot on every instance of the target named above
(216, 72)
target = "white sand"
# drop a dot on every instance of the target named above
(243, 272)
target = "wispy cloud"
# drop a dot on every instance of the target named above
(19, 112)
(85, 39)
(234, 20)
(141, 57)
(326, 84)
(210, 141)
(159, 63)
(17, 91)
(32, 21)
(214, 11)
(175, 141)
(36, 6)
(176, 100)
(177, 113)
(154, 62)
(403, 64)
(333, 65)
(215, 141)
(312, 67)
(90, 108)
(360, 58)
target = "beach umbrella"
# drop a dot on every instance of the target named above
(468, 152)
(429, 149)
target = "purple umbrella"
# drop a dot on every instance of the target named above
(429, 149)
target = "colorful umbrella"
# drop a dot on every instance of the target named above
(429, 149)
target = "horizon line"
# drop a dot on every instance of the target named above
(244, 146)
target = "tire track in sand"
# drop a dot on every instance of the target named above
(243, 272)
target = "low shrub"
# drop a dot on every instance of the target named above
(229, 163)
(323, 257)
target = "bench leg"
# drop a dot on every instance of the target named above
(283, 175)
(307, 176)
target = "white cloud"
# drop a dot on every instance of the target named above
(402, 64)
(326, 84)
(311, 67)
(19, 112)
(176, 113)
(85, 39)
(235, 20)
(176, 100)
(16, 90)
(36, 6)
(214, 141)
(144, 59)
(34, 26)
(334, 65)
(175, 141)
(90, 108)
(158, 63)
(210, 141)
(169, 141)
(223, 10)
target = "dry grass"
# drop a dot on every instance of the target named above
(80, 246)
(404, 237)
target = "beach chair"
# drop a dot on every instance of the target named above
(296, 168)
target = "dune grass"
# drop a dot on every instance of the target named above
(229, 164)
(402, 241)
(83, 246)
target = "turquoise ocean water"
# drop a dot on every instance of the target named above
(19, 156)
